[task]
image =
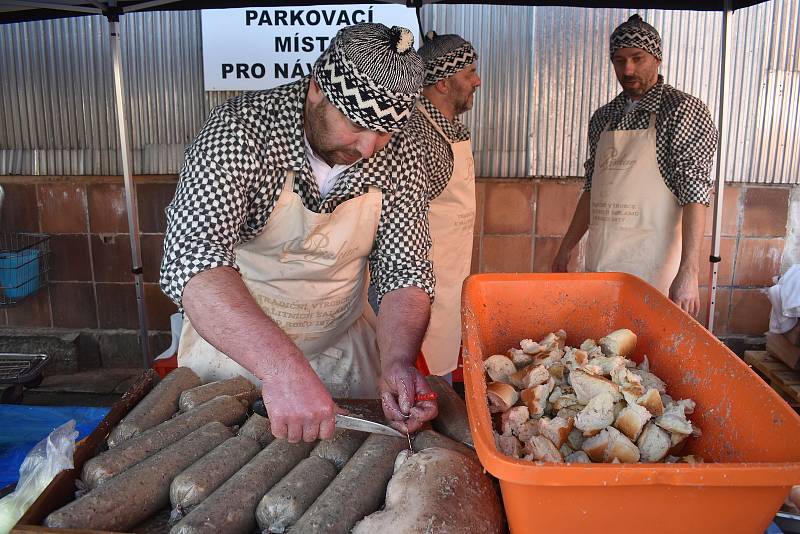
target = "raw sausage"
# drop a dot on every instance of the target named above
(257, 428)
(200, 394)
(431, 438)
(356, 491)
(208, 473)
(283, 505)
(452, 420)
(232, 507)
(141, 491)
(341, 448)
(226, 410)
(156, 407)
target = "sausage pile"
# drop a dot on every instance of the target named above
(181, 454)
(554, 403)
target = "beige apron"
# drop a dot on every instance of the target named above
(451, 216)
(635, 220)
(307, 271)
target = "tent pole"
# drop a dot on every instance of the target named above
(715, 258)
(130, 188)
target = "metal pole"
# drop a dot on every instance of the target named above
(130, 189)
(715, 258)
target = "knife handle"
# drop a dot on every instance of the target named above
(426, 397)
(259, 408)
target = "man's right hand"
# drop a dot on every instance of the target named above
(299, 406)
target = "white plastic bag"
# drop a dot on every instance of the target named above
(47, 459)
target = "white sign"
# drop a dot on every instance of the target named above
(261, 48)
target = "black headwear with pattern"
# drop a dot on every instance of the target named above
(372, 74)
(636, 33)
(445, 55)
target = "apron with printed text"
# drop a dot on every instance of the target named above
(451, 217)
(307, 271)
(635, 220)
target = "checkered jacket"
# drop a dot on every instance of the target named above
(437, 156)
(686, 138)
(235, 170)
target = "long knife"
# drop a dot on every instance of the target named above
(344, 421)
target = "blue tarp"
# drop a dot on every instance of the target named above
(22, 427)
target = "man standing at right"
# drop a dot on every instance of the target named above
(647, 176)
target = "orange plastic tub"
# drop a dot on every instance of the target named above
(749, 433)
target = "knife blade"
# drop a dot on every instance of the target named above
(363, 425)
(347, 422)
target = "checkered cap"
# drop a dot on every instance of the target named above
(445, 55)
(372, 74)
(636, 33)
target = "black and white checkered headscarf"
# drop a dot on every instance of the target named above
(445, 55)
(636, 33)
(372, 74)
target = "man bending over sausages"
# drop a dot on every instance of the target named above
(284, 198)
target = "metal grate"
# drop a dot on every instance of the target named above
(19, 368)
(24, 264)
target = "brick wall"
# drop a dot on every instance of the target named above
(91, 286)
(518, 228)
(520, 224)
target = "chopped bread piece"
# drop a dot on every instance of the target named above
(565, 401)
(618, 343)
(692, 459)
(561, 338)
(620, 447)
(618, 407)
(609, 363)
(558, 371)
(653, 443)
(593, 369)
(555, 394)
(598, 413)
(543, 450)
(530, 376)
(631, 420)
(596, 446)
(520, 358)
(652, 402)
(566, 413)
(575, 439)
(528, 429)
(588, 344)
(512, 419)
(645, 365)
(578, 457)
(649, 380)
(688, 405)
(627, 380)
(574, 358)
(587, 386)
(508, 445)
(565, 450)
(535, 398)
(673, 420)
(529, 346)
(610, 444)
(500, 368)
(549, 358)
(556, 430)
(676, 438)
(501, 396)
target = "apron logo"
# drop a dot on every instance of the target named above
(310, 247)
(611, 161)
